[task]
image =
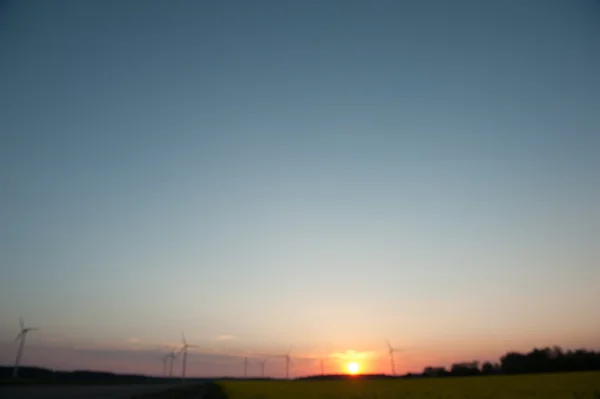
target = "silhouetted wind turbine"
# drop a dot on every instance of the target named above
(171, 356)
(184, 349)
(165, 359)
(245, 366)
(322, 366)
(391, 352)
(288, 362)
(262, 367)
(21, 338)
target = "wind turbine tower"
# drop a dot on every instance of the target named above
(171, 356)
(246, 367)
(262, 367)
(183, 350)
(165, 360)
(21, 338)
(391, 352)
(288, 363)
(322, 367)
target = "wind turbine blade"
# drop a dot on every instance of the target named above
(183, 338)
(21, 323)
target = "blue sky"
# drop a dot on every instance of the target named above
(326, 175)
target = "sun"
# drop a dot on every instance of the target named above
(353, 368)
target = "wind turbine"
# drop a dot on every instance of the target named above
(262, 367)
(171, 356)
(184, 349)
(165, 359)
(288, 362)
(322, 366)
(246, 367)
(391, 352)
(21, 338)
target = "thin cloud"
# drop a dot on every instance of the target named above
(225, 337)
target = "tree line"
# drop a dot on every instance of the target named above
(544, 360)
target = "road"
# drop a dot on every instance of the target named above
(78, 392)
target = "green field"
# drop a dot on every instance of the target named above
(582, 385)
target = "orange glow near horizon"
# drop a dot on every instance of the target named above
(353, 368)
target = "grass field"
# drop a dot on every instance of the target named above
(584, 385)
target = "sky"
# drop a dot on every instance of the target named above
(316, 175)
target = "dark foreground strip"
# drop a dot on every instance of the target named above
(205, 390)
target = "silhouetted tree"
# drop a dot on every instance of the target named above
(539, 360)
(550, 360)
(435, 372)
(488, 368)
(465, 369)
